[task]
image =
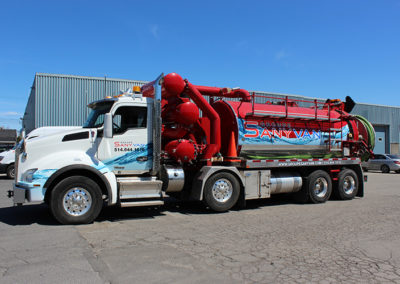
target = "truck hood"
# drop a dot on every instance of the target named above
(58, 135)
(50, 130)
(55, 148)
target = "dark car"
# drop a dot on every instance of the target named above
(383, 162)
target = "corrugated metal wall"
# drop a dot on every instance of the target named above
(382, 115)
(28, 121)
(62, 100)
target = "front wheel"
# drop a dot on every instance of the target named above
(221, 191)
(11, 171)
(76, 200)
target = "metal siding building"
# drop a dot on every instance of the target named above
(386, 121)
(62, 100)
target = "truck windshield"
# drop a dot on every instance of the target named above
(96, 116)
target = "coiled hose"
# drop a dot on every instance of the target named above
(370, 130)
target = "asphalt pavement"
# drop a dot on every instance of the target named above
(271, 241)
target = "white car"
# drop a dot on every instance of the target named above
(7, 159)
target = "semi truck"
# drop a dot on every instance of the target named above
(221, 146)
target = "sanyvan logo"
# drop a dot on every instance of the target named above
(123, 144)
(254, 130)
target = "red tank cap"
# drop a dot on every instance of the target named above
(174, 84)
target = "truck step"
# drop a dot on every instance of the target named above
(139, 188)
(142, 203)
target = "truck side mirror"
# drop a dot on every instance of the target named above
(108, 126)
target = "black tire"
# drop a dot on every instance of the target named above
(347, 185)
(10, 171)
(398, 171)
(81, 190)
(319, 186)
(385, 169)
(221, 191)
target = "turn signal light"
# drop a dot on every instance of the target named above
(136, 89)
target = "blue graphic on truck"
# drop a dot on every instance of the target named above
(253, 133)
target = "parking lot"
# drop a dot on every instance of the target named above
(272, 241)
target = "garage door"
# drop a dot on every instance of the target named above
(380, 139)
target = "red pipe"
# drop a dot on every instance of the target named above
(215, 132)
(224, 92)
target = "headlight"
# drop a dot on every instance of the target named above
(28, 175)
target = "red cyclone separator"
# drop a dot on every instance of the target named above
(215, 122)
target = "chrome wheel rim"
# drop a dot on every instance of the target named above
(222, 190)
(321, 187)
(349, 184)
(77, 201)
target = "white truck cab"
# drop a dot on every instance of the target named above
(74, 163)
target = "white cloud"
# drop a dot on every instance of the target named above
(154, 31)
(281, 54)
(10, 113)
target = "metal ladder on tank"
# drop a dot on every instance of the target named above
(337, 141)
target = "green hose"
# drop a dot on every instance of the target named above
(370, 130)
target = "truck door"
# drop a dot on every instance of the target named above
(129, 151)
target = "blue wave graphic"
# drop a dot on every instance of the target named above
(39, 178)
(43, 174)
(129, 160)
(305, 137)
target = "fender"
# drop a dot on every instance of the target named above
(82, 167)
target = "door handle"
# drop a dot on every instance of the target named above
(142, 158)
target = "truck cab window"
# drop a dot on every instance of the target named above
(96, 116)
(128, 117)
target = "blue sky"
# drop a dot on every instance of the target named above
(315, 48)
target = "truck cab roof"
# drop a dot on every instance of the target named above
(135, 98)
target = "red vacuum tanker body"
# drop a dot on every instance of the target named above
(227, 148)
(242, 129)
(170, 140)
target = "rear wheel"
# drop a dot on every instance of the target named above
(221, 191)
(347, 185)
(385, 169)
(76, 200)
(319, 185)
(398, 171)
(11, 171)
